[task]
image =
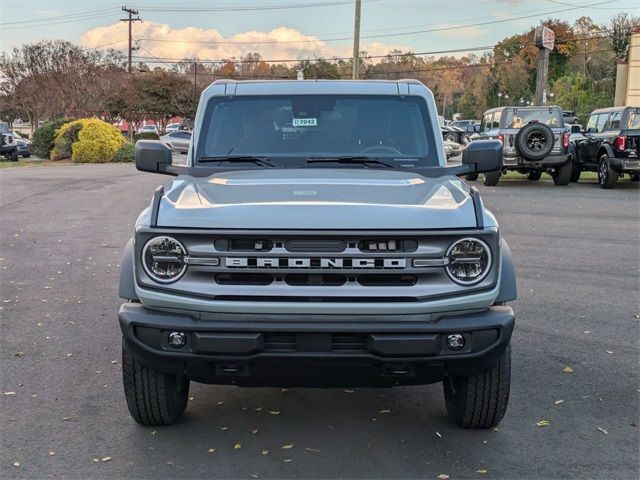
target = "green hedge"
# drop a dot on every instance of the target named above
(145, 136)
(44, 137)
(127, 153)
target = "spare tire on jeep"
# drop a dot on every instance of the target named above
(535, 141)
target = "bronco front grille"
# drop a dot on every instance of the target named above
(399, 267)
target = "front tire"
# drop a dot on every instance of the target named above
(14, 156)
(491, 179)
(480, 400)
(471, 177)
(607, 176)
(154, 398)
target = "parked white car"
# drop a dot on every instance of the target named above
(172, 127)
(149, 129)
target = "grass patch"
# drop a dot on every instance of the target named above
(33, 163)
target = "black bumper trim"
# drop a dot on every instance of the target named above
(253, 341)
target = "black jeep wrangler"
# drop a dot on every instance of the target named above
(535, 140)
(610, 145)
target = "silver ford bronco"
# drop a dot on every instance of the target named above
(316, 237)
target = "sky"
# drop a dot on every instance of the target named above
(288, 29)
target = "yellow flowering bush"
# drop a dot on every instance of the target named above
(88, 140)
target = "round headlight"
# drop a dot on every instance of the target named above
(469, 261)
(163, 259)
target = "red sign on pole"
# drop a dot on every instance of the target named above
(545, 37)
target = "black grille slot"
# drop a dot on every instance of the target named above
(244, 279)
(243, 244)
(312, 245)
(384, 280)
(280, 342)
(387, 245)
(340, 342)
(315, 280)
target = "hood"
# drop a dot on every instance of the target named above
(315, 199)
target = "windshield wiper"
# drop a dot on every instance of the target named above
(262, 161)
(351, 160)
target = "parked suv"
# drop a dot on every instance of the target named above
(535, 141)
(8, 144)
(610, 145)
(315, 237)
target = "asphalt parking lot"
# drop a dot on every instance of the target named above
(63, 413)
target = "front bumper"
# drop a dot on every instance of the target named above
(518, 162)
(316, 350)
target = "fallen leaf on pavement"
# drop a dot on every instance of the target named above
(481, 471)
(347, 391)
(287, 447)
(312, 450)
(543, 423)
(265, 452)
(155, 432)
(106, 459)
(16, 464)
(254, 431)
(257, 409)
(274, 412)
(237, 446)
(51, 454)
(567, 370)
(9, 394)
(603, 430)
(558, 402)
(287, 460)
(443, 476)
(438, 433)
(387, 410)
(211, 450)
(19, 354)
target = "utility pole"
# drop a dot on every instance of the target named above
(131, 19)
(545, 41)
(356, 42)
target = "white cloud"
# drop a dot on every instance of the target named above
(467, 33)
(277, 44)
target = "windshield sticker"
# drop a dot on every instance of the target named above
(305, 122)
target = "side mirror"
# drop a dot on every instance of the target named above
(575, 129)
(471, 128)
(485, 155)
(151, 154)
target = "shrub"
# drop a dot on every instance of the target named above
(126, 153)
(44, 137)
(66, 136)
(98, 142)
(145, 136)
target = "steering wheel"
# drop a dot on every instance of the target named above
(382, 149)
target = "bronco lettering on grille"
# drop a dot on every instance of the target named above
(315, 262)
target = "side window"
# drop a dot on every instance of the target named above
(614, 121)
(591, 125)
(496, 120)
(602, 120)
(486, 122)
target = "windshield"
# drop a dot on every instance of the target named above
(519, 118)
(289, 129)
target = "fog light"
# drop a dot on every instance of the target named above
(177, 339)
(455, 341)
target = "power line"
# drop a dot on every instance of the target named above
(176, 60)
(59, 17)
(70, 20)
(249, 8)
(387, 35)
